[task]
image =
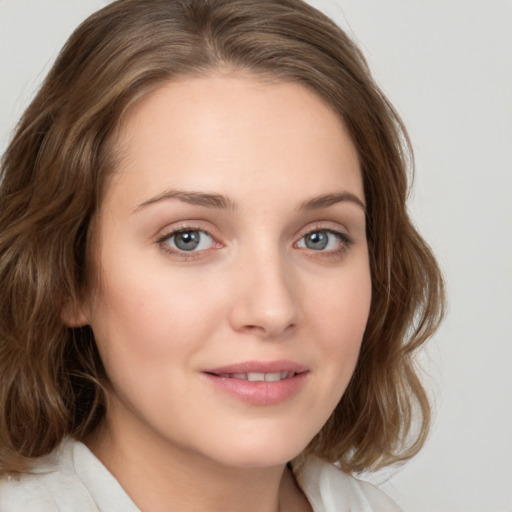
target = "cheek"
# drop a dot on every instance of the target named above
(149, 319)
(340, 315)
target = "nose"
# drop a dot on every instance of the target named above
(265, 302)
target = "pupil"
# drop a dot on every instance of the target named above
(317, 240)
(187, 240)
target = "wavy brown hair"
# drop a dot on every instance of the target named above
(64, 148)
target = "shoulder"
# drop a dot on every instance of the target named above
(35, 490)
(67, 480)
(329, 489)
(51, 485)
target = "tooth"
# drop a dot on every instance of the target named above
(241, 376)
(272, 377)
(255, 377)
(284, 375)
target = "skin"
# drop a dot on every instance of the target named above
(253, 290)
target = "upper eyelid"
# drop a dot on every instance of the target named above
(344, 237)
(332, 227)
(169, 231)
(173, 232)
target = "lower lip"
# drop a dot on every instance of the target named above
(260, 393)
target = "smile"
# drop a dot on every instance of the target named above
(259, 377)
(259, 383)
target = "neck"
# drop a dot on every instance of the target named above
(175, 478)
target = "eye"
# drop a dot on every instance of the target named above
(189, 240)
(324, 240)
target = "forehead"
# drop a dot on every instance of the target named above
(237, 133)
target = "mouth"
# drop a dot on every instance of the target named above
(258, 376)
(259, 383)
(259, 370)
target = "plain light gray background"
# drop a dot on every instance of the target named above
(447, 67)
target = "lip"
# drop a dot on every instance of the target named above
(259, 367)
(259, 392)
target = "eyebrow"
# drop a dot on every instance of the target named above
(219, 201)
(208, 200)
(326, 200)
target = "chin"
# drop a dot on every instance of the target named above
(249, 454)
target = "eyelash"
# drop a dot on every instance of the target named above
(345, 241)
(186, 255)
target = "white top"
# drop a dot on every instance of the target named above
(72, 479)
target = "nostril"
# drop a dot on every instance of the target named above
(269, 331)
(253, 328)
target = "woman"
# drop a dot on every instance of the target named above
(212, 290)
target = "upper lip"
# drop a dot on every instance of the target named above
(259, 367)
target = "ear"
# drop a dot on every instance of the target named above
(73, 314)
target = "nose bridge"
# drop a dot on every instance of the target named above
(266, 302)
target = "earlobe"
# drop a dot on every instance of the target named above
(73, 314)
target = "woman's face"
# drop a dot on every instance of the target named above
(233, 282)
